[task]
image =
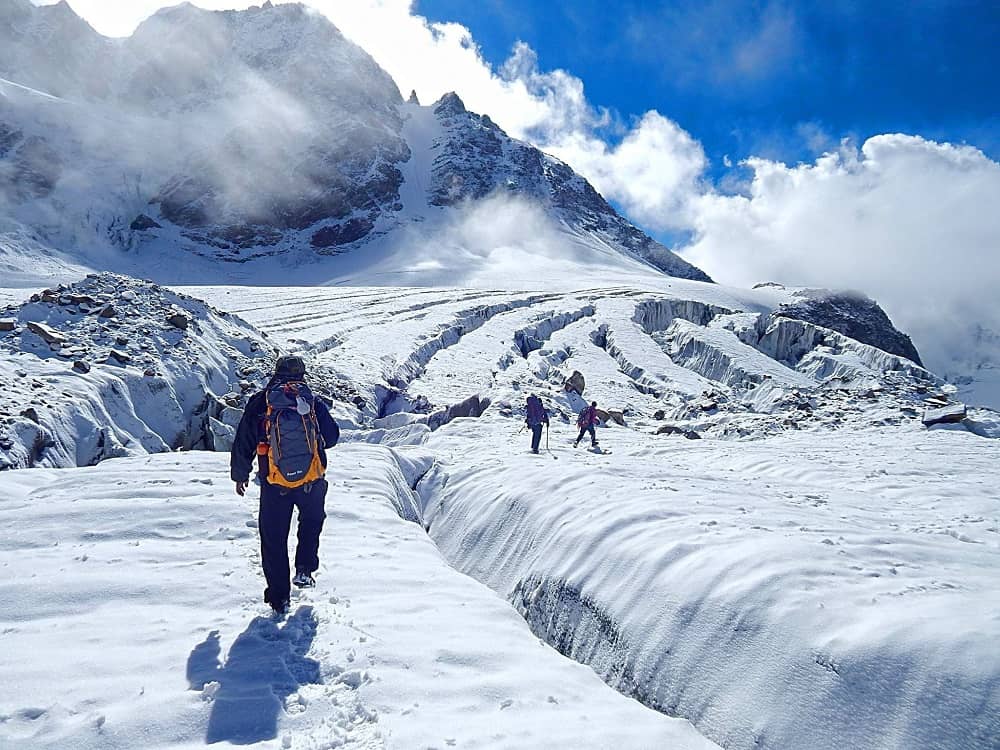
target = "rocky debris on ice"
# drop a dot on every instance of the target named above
(670, 429)
(134, 381)
(951, 414)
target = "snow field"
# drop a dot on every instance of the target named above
(110, 640)
(758, 588)
(803, 591)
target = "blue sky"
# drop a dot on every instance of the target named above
(779, 80)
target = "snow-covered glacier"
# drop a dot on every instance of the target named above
(787, 536)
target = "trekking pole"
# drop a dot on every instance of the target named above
(547, 448)
(522, 429)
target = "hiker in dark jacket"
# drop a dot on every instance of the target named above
(586, 421)
(276, 501)
(535, 417)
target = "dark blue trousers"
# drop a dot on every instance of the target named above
(536, 436)
(275, 521)
(584, 431)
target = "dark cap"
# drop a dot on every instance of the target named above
(289, 364)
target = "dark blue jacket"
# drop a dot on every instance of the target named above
(250, 433)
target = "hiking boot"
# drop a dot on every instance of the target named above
(281, 608)
(304, 580)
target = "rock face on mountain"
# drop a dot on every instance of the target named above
(237, 135)
(478, 159)
(852, 314)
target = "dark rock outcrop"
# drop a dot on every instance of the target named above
(854, 315)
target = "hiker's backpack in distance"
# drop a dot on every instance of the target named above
(535, 411)
(294, 440)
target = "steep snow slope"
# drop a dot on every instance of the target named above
(136, 622)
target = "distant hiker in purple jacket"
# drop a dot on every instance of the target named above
(535, 417)
(586, 421)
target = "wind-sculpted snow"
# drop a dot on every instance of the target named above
(813, 572)
(111, 366)
(840, 598)
(134, 619)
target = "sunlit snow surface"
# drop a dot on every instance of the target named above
(799, 578)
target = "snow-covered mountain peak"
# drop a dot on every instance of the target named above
(449, 104)
(246, 136)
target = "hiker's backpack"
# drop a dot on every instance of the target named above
(294, 440)
(585, 418)
(535, 412)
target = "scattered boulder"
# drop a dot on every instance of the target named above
(179, 320)
(51, 335)
(81, 366)
(120, 356)
(470, 407)
(7, 324)
(611, 415)
(108, 311)
(31, 414)
(951, 414)
(659, 414)
(575, 382)
(142, 223)
(670, 429)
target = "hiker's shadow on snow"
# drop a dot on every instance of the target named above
(265, 665)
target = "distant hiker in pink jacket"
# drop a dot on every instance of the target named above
(586, 421)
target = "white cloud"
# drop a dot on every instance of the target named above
(654, 172)
(912, 222)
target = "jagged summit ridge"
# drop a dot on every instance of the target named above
(477, 158)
